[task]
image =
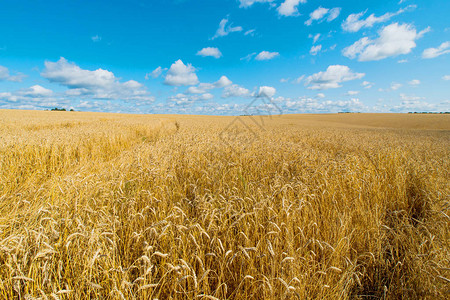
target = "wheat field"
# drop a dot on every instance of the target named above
(111, 206)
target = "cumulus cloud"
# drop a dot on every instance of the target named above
(393, 40)
(367, 84)
(155, 73)
(206, 96)
(289, 7)
(446, 77)
(444, 48)
(5, 75)
(210, 51)
(222, 82)
(266, 55)
(34, 97)
(266, 92)
(414, 82)
(72, 76)
(354, 23)
(36, 91)
(331, 78)
(248, 3)
(195, 90)
(235, 91)
(99, 84)
(315, 49)
(180, 74)
(225, 29)
(204, 87)
(321, 12)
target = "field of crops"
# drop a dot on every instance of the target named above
(110, 206)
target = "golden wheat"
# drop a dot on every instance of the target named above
(116, 206)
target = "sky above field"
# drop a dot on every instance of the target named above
(227, 57)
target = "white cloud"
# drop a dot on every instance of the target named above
(402, 61)
(195, 90)
(321, 12)
(333, 14)
(204, 87)
(248, 3)
(444, 48)
(405, 97)
(266, 92)
(356, 48)
(315, 49)
(315, 37)
(34, 97)
(99, 84)
(72, 76)
(367, 84)
(310, 105)
(266, 55)
(298, 79)
(331, 78)
(395, 86)
(446, 77)
(318, 14)
(289, 7)
(393, 40)
(187, 100)
(96, 38)
(36, 91)
(155, 73)
(210, 51)
(180, 99)
(414, 82)
(4, 75)
(180, 74)
(206, 96)
(353, 23)
(225, 29)
(248, 57)
(222, 82)
(235, 91)
(284, 80)
(417, 105)
(250, 32)
(352, 93)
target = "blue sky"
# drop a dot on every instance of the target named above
(217, 57)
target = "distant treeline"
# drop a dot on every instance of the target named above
(59, 109)
(427, 112)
